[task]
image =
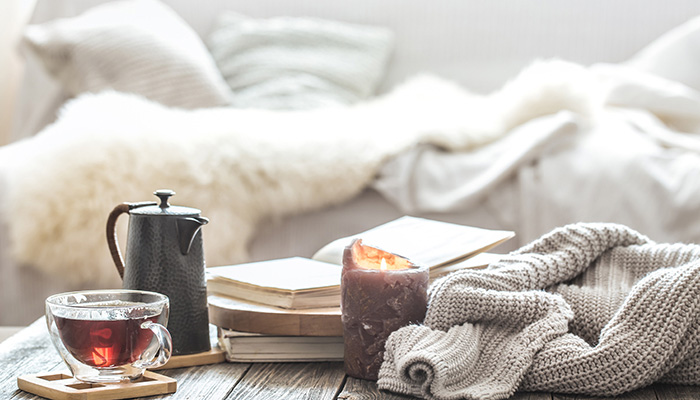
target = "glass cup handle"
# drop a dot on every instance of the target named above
(161, 354)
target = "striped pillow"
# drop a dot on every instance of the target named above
(136, 46)
(298, 63)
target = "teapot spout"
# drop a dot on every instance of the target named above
(187, 228)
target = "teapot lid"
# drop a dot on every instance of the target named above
(164, 208)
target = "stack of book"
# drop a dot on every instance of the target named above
(289, 309)
(278, 310)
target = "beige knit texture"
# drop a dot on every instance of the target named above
(595, 309)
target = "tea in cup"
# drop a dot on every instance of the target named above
(110, 336)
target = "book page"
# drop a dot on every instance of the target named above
(286, 274)
(423, 241)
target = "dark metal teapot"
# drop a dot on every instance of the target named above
(164, 254)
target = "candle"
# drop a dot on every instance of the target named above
(380, 293)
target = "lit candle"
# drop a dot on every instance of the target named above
(380, 293)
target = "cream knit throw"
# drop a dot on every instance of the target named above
(588, 308)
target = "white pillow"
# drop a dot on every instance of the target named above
(298, 63)
(137, 46)
(675, 55)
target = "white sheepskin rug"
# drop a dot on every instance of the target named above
(238, 166)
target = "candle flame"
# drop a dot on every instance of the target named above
(368, 257)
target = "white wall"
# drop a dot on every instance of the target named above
(13, 16)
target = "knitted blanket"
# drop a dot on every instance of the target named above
(595, 309)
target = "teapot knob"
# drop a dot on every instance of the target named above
(164, 195)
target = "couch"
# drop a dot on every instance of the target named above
(475, 46)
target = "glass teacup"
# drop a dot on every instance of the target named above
(110, 336)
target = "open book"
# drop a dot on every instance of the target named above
(255, 347)
(425, 242)
(299, 283)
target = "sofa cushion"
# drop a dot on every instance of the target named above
(137, 46)
(298, 63)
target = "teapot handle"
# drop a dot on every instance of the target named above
(112, 232)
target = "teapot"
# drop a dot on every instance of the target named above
(164, 254)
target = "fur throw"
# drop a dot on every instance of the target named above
(238, 166)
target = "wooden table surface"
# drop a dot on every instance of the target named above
(31, 351)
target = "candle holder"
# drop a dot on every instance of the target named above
(380, 293)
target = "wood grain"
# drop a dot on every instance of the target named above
(238, 315)
(290, 381)
(206, 381)
(557, 396)
(31, 352)
(531, 396)
(213, 356)
(677, 392)
(359, 389)
(647, 393)
(28, 352)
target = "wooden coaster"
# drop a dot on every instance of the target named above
(58, 386)
(213, 356)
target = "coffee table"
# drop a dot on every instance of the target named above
(30, 351)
